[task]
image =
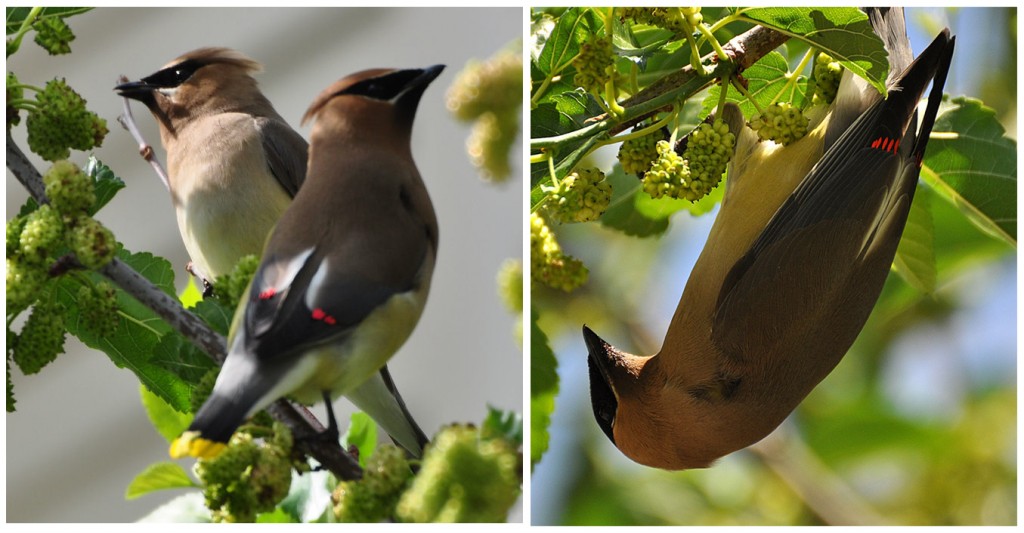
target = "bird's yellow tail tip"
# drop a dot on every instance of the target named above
(190, 444)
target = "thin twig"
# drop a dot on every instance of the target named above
(127, 121)
(825, 493)
(744, 50)
(301, 422)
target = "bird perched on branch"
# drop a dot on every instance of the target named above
(234, 166)
(345, 273)
(794, 263)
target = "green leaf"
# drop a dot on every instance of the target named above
(159, 476)
(28, 207)
(105, 182)
(543, 389)
(190, 295)
(215, 314)
(16, 15)
(976, 169)
(563, 44)
(915, 256)
(504, 424)
(843, 32)
(156, 269)
(634, 212)
(624, 213)
(361, 433)
(139, 329)
(563, 113)
(176, 354)
(277, 516)
(765, 80)
(168, 422)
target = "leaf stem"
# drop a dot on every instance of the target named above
(641, 132)
(792, 77)
(722, 95)
(706, 32)
(743, 90)
(540, 158)
(15, 43)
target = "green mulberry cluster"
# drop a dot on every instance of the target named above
(490, 94)
(14, 227)
(14, 92)
(69, 189)
(230, 288)
(488, 86)
(549, 266)
(41, 234)
(637, 154)
(490, 143)
(94, 245)
(59, 121)
(248, 477)
(510, 284)
(827, 73)
(98, 305)
(780, 122)
(510, 289)
(24, 280)
(374, 497)
(41, 338)
(708, 151)
(595, 64)
(54, 35)
(463, 479)
(668, 175)
(582, 196)
(670, 18)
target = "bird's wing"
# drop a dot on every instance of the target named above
(285, 151)
(304, 300)
(816, 244)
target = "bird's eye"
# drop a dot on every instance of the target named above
(384, 87)
(175, 75)
(180, 75)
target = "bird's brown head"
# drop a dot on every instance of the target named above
(377, 98)
(650, 421)
(198, 83)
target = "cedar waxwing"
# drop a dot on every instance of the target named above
(234, 165)
(345, 273)
(794, 264)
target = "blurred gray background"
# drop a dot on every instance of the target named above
(80, 435)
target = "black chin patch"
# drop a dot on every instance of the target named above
(602, 399)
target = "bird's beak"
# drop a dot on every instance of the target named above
(136, 90)
(419, 79)
(426, 76)
(599, 352)
(602, 395)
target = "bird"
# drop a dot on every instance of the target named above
(234, 165)
(793, 266)
(346, 271)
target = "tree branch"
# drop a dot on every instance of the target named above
(822, 490)
(302, 423)
(744, 50)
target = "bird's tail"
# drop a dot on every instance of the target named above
(855, 96)
(379, 398)
(242, 388)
